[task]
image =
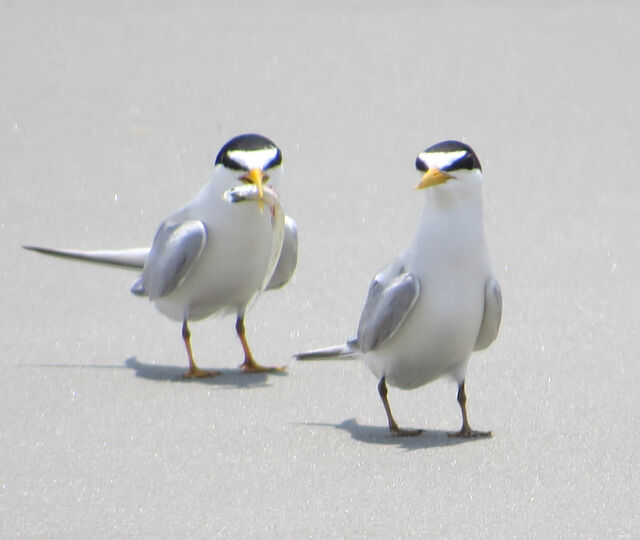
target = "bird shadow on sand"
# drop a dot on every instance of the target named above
(380, 435)
(228, 377)
(153, 372)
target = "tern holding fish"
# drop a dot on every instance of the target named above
(218, 252)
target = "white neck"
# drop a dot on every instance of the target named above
(451, 223)
(454, 200)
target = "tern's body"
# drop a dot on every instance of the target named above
(220, 250)
(440, 332)
(437, 302)
(226, 275)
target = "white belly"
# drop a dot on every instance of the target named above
(438, 336)
(231, 268)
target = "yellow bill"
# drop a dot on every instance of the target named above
(433, 177)
(257, 177)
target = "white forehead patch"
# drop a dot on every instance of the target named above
(253, 158)
(440, 159)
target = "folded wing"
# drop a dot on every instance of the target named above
(175, 249)
(491, 316)
(288, 256)
(392, 295)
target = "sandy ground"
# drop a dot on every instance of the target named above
(110, 117)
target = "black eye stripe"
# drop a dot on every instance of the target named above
(235, 166)
(247, 142)
(468, 160)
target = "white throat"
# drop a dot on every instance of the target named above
(451, 225)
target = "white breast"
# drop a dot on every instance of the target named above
(235, 232)
(449, 257)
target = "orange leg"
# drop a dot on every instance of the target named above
(250, 365)
(194, 371)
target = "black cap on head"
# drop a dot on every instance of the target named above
(467, 158)
(248, 142)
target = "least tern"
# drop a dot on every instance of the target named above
(436, 303)
(220, 250)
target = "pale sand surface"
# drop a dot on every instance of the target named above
(110, 117)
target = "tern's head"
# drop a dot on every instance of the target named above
(250, 159)
(447, 161)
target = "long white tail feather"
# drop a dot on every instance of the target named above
(344, 351)
(132, 258)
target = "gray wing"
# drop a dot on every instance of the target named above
(288, 256)
(392, 295)
(491, 317)
(175, 248)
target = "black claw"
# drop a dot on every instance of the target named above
(470, 434)
(405, 432)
